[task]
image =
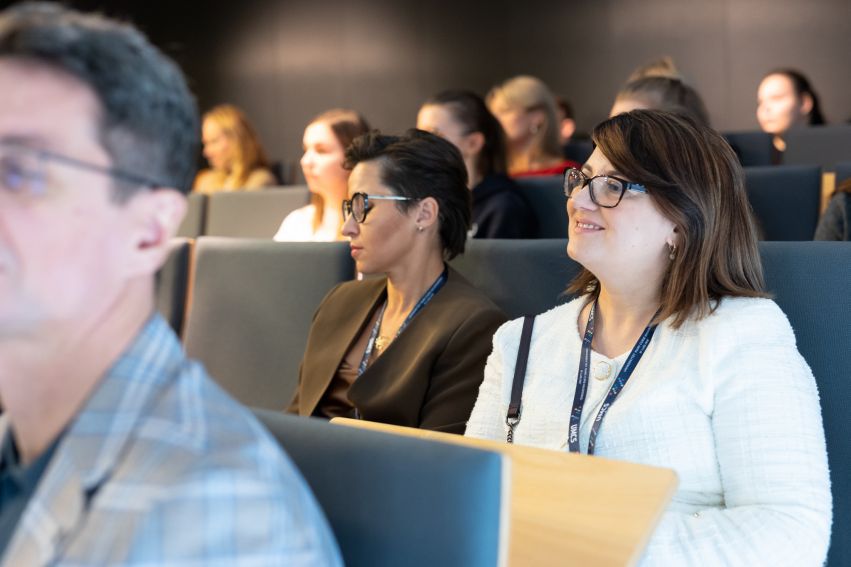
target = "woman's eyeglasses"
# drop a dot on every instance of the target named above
(606, 190)
(358, 206)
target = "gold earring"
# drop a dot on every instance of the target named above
(673, 253)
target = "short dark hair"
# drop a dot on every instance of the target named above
(149, 121)
(801, 85)
(470, 111)
(667, 93)
(419, 165)
(696, 181)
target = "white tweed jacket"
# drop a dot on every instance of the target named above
(727, 402)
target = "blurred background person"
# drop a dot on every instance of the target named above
(662, 67)
(566, 122)
(661, 93)
(408, 348)
(233, 151)
(499, 209)
(835, 222)
(527, 111)
(785, 100)
(325, 141)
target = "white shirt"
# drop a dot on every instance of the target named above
(298, 227)
(727, 402)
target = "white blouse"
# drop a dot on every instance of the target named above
(298, 227)
(727, 402)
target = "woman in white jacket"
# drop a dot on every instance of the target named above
(672, 355)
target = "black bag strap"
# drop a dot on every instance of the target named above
(513, 417)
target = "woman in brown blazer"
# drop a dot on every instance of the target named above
(409, 348)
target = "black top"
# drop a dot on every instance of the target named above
(501, 211)
(835, 223)
(17, 485)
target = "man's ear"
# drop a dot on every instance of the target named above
(156, 215)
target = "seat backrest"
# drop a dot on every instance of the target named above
(252, 304)
(546, 197)
(394, 500)
(811, 282)
(818, 145)
(753, 148)
(786, 200)
(578, 149)
(843, 172)
(196, 212)
(173, 283)
(252, 214)
(522, 277)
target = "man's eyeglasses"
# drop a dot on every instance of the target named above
(358, 206)
(23, 169)
(606, 190)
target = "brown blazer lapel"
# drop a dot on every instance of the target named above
(338, 324)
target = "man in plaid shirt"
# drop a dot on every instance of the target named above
(114, 448)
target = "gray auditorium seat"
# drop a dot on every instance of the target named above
(786, 200)
(172, 283)
(252, 214)
(811, 282)
(521, 276)
(818, 145)
(193, 223)
(843, 172)
(393, 500)
(252, 303)
(546, 196)
(753, 148)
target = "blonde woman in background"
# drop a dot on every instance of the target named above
(232, 148)
(527, 111)
(325, 141)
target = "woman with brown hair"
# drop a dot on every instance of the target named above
(232, 148)
(325, 141)
(671, 355)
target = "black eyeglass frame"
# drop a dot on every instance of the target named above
(589, 181)
(47, 156)
(348, 209)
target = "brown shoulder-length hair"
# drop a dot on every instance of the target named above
(695, 180)
(248, 152)
(346, 125)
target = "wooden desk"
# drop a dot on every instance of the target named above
(568, 509)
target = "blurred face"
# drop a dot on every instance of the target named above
(382, 242)
(778, 107)
(218, 147)
(322, 163)
(628, 241)
(518, 123)
(623, 105)
(439, 121)
(63, 241)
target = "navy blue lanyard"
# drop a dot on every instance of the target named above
(427, 296)
(617, 386)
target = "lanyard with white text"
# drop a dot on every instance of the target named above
(427, 296)
(617, 386)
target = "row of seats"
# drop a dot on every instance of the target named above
(823, 146)
(420, 498)
(251, 302)
(786, 201)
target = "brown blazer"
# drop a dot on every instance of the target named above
(428, 377)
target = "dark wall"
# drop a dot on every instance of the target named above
(284, 61)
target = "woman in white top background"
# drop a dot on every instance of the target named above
(325, 141)
(690, 363)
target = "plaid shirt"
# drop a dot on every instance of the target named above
(161, 467)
